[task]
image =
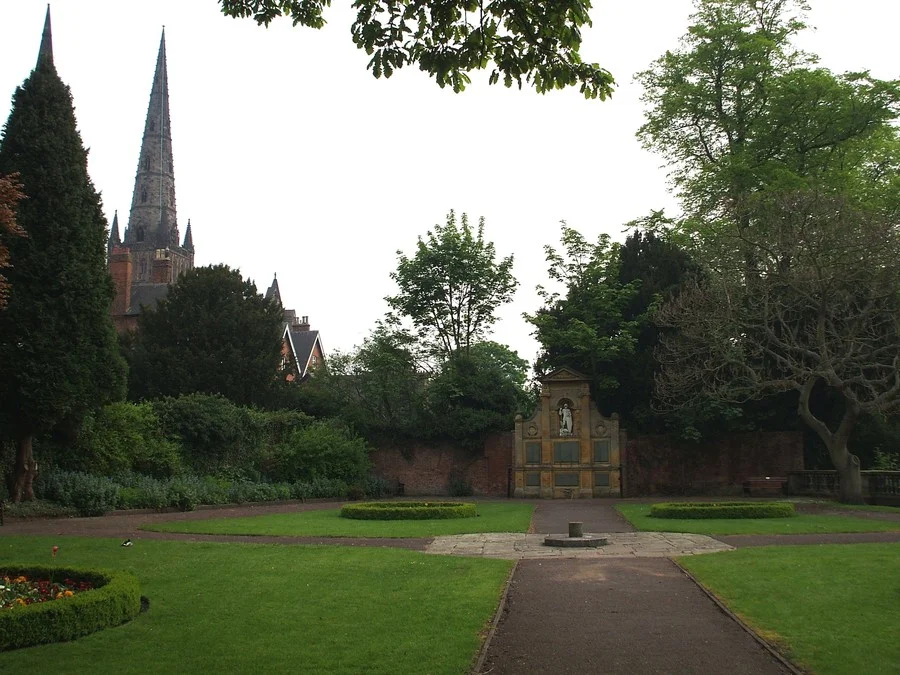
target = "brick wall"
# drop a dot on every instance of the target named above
(430, 467)
(656, 465)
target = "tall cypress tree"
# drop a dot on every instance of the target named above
(58, 350)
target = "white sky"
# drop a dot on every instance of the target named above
(291, 158)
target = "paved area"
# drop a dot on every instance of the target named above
(621, 545)
(617, 616)
(598, 515)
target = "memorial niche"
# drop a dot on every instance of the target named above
(568, 448)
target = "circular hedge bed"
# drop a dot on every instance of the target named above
(722, 510)
(408, 510)
(115, 599)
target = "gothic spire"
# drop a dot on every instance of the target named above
(188, 238)
(45, 54)
(114, 239)
(153, 220)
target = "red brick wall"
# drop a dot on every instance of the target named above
(656, 465)
(429, 470)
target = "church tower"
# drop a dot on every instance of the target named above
(151, 241)
(152, 232)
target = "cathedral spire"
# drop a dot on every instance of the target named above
(45, 54)
(153, 219)
(188, 238)
(114, 239)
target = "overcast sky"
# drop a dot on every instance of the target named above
(290, 158)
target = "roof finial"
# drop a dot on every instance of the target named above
(45, 54)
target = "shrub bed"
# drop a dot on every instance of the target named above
(722, 510)
(115, 599)
(408, 510)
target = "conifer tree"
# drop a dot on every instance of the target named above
(58, 350)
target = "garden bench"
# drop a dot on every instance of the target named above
(765, 486)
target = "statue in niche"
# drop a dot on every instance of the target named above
(565, 420)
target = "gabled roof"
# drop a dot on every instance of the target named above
(564, 374)
(302, 344)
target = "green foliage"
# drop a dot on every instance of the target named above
(58, 353)
(722, 510)
(408, 510)
(123, 437)
(588, 329)
(212, 334)
(115, 599)
(38, 509)
(323, 449)
(451, 288)
(534, 42)
(477, 394)
(90, 495)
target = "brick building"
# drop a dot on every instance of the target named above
(150, 255)
(301, 348)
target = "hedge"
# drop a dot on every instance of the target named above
(115, 599)
(408, 510)
(722, 510)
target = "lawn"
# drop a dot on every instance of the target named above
(639, 516)
(833, 609)
(492, 517)
(271, 608)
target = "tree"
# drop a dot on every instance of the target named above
(478, 393)
(451, 288)
(749, 126)
(213, 333)
(830, 318)
(58, 352)
(10, 195)
(738, 112)
(587, 328)
(379, 387)
(537, 42)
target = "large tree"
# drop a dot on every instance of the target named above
(830, 319)
(10, 195)
(58, 351)
(749, 126)
(452, 286)
(213, 333)
(737, 111)
(533, 41)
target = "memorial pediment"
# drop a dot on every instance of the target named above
(564, 375)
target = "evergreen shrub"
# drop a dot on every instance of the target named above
(115, 599)
(408, 510)
(722, 510)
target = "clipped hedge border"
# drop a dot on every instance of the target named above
(408, 510)
(722, 510)
(115, 599)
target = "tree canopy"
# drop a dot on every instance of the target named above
(452, 286)
(213, 333)
(520, 40)
(58, 351)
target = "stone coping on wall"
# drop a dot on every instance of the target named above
(517, 546)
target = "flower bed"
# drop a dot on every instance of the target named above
(408, 510)
(722, 510)
(21, 591)
(51, 604)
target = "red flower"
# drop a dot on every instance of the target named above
(55, 549)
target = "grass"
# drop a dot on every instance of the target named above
(492, 517)
(833, 609)
(253, 608)
(639, 516)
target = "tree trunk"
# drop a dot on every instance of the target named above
(850, 491)
(846, 463)
(24, 472)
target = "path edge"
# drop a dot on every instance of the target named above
(734, 617)
(501, 607)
